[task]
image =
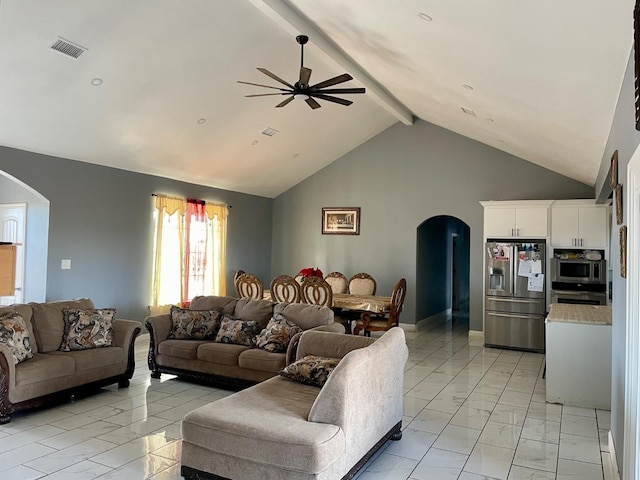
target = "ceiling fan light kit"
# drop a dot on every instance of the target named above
(301, 90)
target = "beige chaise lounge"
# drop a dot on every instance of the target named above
(52, 375)
(284, 430)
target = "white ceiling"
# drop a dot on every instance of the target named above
(545, 76)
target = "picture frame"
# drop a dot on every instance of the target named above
(613, 171)
(623, 251)
(341, 220)
(618, 191)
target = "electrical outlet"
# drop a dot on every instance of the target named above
(66, 264)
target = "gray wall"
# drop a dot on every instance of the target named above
(624, 138)
(36, 238)
(400, 178)
(101, 219)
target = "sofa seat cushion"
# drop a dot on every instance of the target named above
(43, 367)
(267, 423)
(180, 348)
(94, 358)
(221, 353)
(258, 359)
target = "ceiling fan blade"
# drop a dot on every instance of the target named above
(305, 75)
(260, 85)
(266, 94)
(342, 90)
(275, 77)
(285, 102)
(345, 77)
(341, 101)
(312, 103)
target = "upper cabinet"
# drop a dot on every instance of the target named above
(521, 219)
(579, 223)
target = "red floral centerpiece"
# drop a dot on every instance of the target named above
(311, 272)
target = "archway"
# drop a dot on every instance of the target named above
(442, 270)
(36, 240)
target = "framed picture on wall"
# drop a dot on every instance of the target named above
(613, 170)
(618, 191)
(623, 251)
(341, 220)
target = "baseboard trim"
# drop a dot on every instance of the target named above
(436, 319)
(476, 337)
(613, 458)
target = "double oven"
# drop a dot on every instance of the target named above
(579, 280)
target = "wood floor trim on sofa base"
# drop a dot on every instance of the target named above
(395, 433)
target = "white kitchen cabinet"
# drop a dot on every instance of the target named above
(581, 226)
(523, 219)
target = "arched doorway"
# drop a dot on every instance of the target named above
(16, 196)
(442, 270)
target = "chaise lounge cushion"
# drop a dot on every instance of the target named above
(267, 424)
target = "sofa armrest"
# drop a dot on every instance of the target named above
(124, 331)
(366, 384)
(159, 327)
(293, 343)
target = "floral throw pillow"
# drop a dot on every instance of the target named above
(15, 335)
(311, 370)
(194, 324)
(239, 332)
(85, 329)
(277, 334)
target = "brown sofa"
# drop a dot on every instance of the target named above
(51, 375)
(229, 365)
(285, 430)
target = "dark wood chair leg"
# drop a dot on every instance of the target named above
(155, 374)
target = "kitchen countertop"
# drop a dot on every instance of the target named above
(584, 314)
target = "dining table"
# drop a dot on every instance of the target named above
(350, 301)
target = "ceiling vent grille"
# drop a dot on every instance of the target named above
(67, 48)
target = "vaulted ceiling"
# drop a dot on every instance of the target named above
(155, 89)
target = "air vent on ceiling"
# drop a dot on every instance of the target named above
(468, 111)
(67, 48)
(269, 132)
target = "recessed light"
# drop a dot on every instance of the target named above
(201, 121)
(425, 17)
(468, 87)
(96, 82)
(269, 132)
(468, 111)
(255, 142)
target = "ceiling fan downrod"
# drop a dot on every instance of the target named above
(302, 40)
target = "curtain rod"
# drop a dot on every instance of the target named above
(183, 198)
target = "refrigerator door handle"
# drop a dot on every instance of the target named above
(513, 300)
(512, 315)
(514, 266)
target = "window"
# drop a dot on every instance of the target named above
(189, 251)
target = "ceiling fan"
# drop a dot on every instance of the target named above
(302, 89)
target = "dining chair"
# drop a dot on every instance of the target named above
(362, 284)
(248, 285)
(370, 321)
(299, 277)
(236, 276)
(284, 288)
(337, 281)
(316, 291)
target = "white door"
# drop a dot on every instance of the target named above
(12, 229)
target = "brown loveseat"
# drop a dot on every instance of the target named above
(230, 365)
(52, 375)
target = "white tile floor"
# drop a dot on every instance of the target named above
(470, 413)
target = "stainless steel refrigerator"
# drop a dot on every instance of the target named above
(515, 305)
